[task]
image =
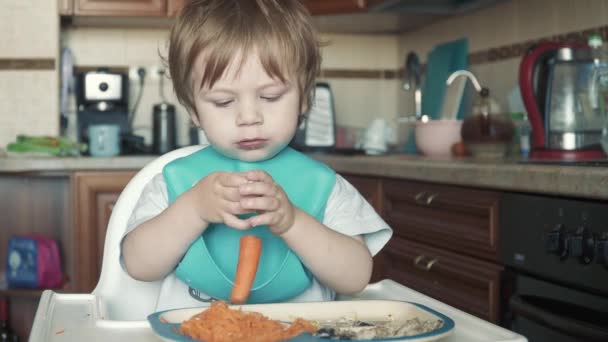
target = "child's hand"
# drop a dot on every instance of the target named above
(267, 198)
(218, 199)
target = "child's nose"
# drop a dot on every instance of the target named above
(249, 114)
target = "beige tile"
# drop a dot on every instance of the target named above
(29, 104)
(97, 46)
(535, 19)
(571, 15)
(28, 31)
(360, 51)
(495, 26)
(144, 46)
(357, 102)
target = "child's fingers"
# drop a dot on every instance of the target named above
(235, 208)
(231, 179)
(265, 219)
(262, 203)
(234, 222)
(258, 176)
(258, 189)
(232, 194)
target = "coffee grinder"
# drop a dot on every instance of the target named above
(102, 98)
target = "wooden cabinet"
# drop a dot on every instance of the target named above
(467, 283)
(94, 195)
(125, 8)
(320, 7)
(444, 244)
(459, 219)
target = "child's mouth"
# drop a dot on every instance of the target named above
(251, 144)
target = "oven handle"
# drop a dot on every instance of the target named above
(572, 327)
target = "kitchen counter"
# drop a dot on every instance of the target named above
(510, 175)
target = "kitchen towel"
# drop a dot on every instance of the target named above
(443, 60)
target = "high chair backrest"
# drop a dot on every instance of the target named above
(122, 297)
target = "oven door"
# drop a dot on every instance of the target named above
(544, 311)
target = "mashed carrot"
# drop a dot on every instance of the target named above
(219, 323)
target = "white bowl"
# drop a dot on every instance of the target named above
(435, 138)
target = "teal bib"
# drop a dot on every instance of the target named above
(210, 263)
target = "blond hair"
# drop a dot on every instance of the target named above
(280, 31)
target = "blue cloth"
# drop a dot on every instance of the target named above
(210, 263)
(442, 61)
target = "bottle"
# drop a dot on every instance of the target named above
(525, 129)
(599, 86)
(6, 333)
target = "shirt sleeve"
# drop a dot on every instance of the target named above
(349, 213)
(152, 201)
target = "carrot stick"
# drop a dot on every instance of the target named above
(249, 256)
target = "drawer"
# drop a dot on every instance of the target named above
(459, 219)
(463, 282)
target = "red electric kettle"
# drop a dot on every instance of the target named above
(556, 84)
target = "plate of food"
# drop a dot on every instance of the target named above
(362, 320)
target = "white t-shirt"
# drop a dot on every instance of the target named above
(346, 212)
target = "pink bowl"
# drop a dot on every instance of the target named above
(435, 138)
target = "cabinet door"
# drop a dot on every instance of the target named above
(126, 8)
(463, 282)
(94, 196)
(320, 7)
(175, 6)
(371, 189)
(459, 219)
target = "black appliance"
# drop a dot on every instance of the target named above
(102, 97)
(555, 251)
(164, 131)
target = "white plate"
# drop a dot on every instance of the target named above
(165, 323)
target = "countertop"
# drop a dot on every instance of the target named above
(512, 175)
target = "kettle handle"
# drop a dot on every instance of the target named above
(530, 62)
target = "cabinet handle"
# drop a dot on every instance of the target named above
(419, 197)
(430, 199)
(417, 261)
(431, 263)
(427, 266)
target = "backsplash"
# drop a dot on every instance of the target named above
(364, 71)
(498, 36)
(358, 68)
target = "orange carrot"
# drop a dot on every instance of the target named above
(249, 256)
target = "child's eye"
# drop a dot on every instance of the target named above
(222, 104)
(271, 98)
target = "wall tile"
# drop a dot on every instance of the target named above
(29, 104)
(96, 46)
(361, 52)
(29, 28)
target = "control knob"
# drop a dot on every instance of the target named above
(602, 249)
(582, 245)
(557, 241)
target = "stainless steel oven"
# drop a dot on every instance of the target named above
(555, 251)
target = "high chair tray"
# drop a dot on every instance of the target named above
(80, 317)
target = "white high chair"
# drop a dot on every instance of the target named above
(122, 297)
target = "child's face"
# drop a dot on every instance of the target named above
(246, 115)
